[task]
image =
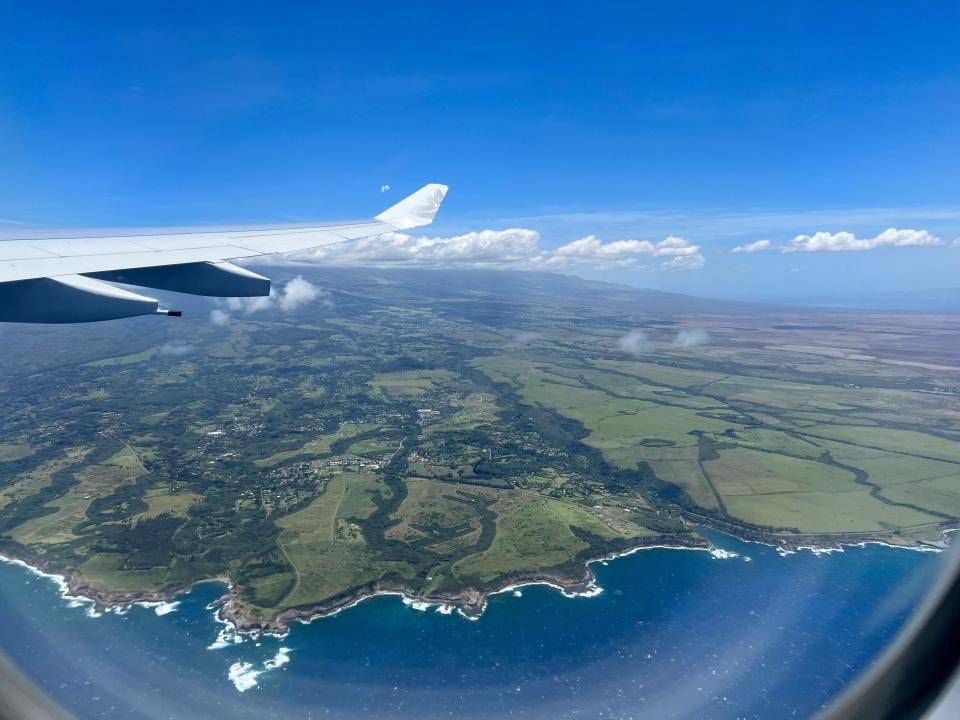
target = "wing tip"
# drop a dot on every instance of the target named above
(417, 209)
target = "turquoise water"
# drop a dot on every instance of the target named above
(674, 634)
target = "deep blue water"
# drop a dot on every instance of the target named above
(674, 634)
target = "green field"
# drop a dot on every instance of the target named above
(103, 571)
(688, 475)
(620, 426)
(433, 505)
(27, 484)
(9, 453)
(318, 446)
(941, 494)
(326, 554)
(409, 382)
(766, 488)
(533, 533)
(129, 359)
(904, 441)
(779, 466)
(346, 495)
(739, 471)
(93, 481)
(160, 500)
(825, 512)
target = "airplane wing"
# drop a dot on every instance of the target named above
(67, 280)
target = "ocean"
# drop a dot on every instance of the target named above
(740, 633)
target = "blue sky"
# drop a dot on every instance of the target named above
(720, 123)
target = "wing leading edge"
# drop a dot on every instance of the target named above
(66, 280)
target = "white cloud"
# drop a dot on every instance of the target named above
(524, 338)
(634, 342)
(293, 295)
(175, 349)
(735, 227)
(299, 292)
(592, 247)
(846, 241)
(219, 317)
(516, 248)
(592, 252)
(691, 337)
(752, 247)
(684, 262)
(250, 305)
(488, 247)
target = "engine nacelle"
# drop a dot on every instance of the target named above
(70, 299)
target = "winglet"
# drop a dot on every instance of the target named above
(415, 210)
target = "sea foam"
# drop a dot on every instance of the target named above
(423, 605)
(72, 601)
(245, 675)
(160, 607)
(721, 554)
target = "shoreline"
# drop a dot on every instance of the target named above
(469, 604)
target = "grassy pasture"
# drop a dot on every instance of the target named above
(622, 429)
(317, 521)
(30, 482)
(929, 484)
(102, 571)
(662, 422)
(428, 503)
(533, 533)
(271, 589)
(128, 359)
(661, 374)
(773, 478)
(346, 495)
(739, 471)
(160, 500)
(658, 432)
(784, 395)
(908, 442)
(890, 469)
(94, 481)
(326, 550)
(509, 369)
(850, 454)
(373, 446)
(325, 568)
(687, 475)
(941, 494)
(476, 409)
(825, 512)
(637, 388)
(318, 446)
(10, 452)
(780, 442)
(409, 382)
(357, 497)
